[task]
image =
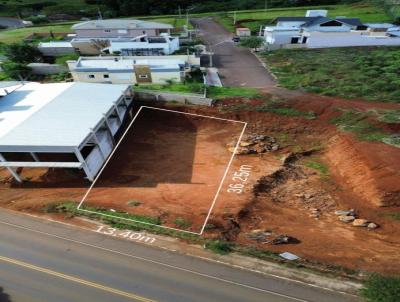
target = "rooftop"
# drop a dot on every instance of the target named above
(56, 116)
(127, 63)
(55, 44)
(121, 24)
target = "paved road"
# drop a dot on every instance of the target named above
(47, 261)
(237, 65)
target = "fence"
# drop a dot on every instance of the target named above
(160, 96)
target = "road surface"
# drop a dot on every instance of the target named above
(48, 261)
(237, 65)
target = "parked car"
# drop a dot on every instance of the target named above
(236, 39)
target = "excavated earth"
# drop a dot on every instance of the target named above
(280, 191)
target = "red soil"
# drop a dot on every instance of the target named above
(174, 168)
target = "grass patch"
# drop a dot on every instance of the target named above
(253, 19)
(62, 60)
(381, 289)
(371, 73)
(390, 116)
(219, 247)
(393, 216)
(317, 165)
(182, 223)
(359, 123)
(270, 106)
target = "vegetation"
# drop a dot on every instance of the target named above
(22, 53)
(220, 247)
(252, 42)
(62, 60)
(182, 223)
(317, 165)
(371, 73)
(381, 289)
(253, 19)
(362, 125)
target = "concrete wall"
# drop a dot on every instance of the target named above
(85, 47)
(114, 33)
(154, 96)
(326, 40)
(124, 77)
(56, 51)
(45, 69)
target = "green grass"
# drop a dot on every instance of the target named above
(198, 89)
(255, 18)
(361, 124)
(390, 116)
(317, 165)
(220, 247)
(393, 216)
(62, 60)
(371, 73)
(182, 223)
(382, 289)
(17, 35)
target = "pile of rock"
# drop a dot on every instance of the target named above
(350, 216)
(269, 237)
(254, 144)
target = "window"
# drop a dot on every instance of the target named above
(143, 76)
(122, 31)
(144, 32)
(107, 30)
(106, 76)
(91, 76)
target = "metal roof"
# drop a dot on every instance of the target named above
(308, 21)
(53, 117)
(121, 24)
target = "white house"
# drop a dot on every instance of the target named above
(132, 70)
(144, 45)
(316, 30)
(141, 45)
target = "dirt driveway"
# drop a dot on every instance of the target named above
(237, 66)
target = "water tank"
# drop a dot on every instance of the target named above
(317, 13)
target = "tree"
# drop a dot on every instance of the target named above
(252, 42)
(22, 53)
(15, 70)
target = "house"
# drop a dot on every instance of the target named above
(143, 46)
(316, 30)
(56, 48)
(243, 32)
(132, 70)
(61, 125)
(128, 37)
(122, 28)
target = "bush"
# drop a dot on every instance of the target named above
(381, 289)
(220, 247)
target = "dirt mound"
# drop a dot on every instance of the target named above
(370, 170)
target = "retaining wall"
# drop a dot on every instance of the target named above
(159, 96)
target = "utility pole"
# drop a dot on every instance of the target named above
(265, 5)
(234, 18)
(99, 13)
(179, 11)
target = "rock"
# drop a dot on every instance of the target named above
(308, 196)
(274, 147)
(245, 144)
(372, 226)
(284, 239)
(360, 222)
(346, 219)
(345, 213)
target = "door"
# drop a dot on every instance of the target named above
(143, 74)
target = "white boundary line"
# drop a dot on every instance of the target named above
(120, 141)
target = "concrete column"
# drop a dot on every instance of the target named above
(117, 111)
(35, 157)
(109, 129)
(79, 156)
(98, 144)
(11, 170)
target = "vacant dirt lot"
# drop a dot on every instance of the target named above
(171, 168)
(169, 165)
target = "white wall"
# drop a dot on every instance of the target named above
(318, 27)
(326, 40)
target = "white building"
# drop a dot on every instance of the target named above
(162, 45)
(142, 45)
(56, 48)
(316, 30)
(132, 70)
(61, 125)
